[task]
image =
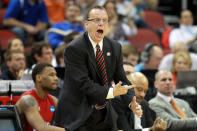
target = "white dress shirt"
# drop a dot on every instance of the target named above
(165, 98)
(137, 123)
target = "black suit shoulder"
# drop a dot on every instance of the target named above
(114, 44)
(76, 51)
(77, 44)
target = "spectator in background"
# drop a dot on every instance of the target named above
(128, 68)
(150, 57)
(55, 9)
(121, 5)
(133, 10)
(166, 62)
(59, 55)
(27, 17)
(166, 105)
(130, 54)
(186, 33)
(150, 60)
(181, 61)
(73, 22)
(86, 5)
(15, 61)
(40, 53)
(118, 30)
(13, 44)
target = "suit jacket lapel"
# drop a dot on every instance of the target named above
(131, 119)
(91, 53)
(143, 121)
(167, 105)
(107, 54)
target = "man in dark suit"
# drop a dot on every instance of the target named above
(84, 103)
(127, 120)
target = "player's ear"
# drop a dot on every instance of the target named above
(38, 78)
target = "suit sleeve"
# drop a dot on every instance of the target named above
(173, 123)
(77, 76)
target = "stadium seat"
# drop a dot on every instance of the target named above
(155, 20)
(7, 100)
(4, 100)
(143, 37)
(5, 35)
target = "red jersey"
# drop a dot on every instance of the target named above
(46, 108)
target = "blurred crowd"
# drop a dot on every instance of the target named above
(44, 28)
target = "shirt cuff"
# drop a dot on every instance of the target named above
(145, 129)
(110, 94)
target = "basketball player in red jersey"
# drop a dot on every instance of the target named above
(36, 105)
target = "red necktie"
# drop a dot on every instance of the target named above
(100, 62)
(177, 109)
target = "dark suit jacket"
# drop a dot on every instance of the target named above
(126, 117)
(83, 84)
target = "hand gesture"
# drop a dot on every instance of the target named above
(121, 90)
(159, 125)
(136, 108)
